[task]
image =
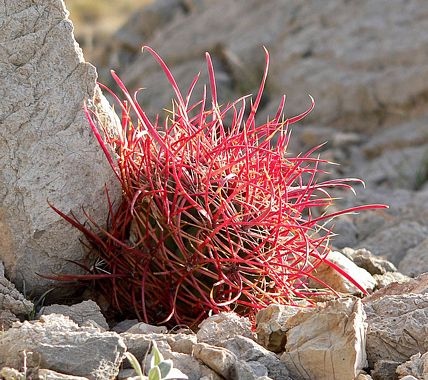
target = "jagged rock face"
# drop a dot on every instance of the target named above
(327, 342)
(47, 151)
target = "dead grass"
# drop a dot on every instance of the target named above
(101, 14)
(96, 20)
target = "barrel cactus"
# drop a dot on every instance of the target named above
(215, 215)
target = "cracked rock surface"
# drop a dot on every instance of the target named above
(47, 151)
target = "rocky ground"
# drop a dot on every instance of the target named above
(365, 63)
(381, 337)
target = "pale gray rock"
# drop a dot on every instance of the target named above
(327, 342)
(351, 56)
(79, 313)
(339, 283)
(404, 135)
(415, 262)
(383, 280)
(397, 327)
(366, 260)
(396, 157)
(48, 374)
(345, 139)
(312, 135)
(12, 302)
(402, 168)
(393, 242)
(347, 234)
(223, 362)
(142, 24)
(48, 152)
(222, 326)
(144, 328)
(369, 223)
(139, 344)
(219, 360)
(262, 361)
(182, 343)
(271, 327)
(417, 366)
(418, 285)
(57, 343)
(406, 207)
(192, 367)
(128, 374)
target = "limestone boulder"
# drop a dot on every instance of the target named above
(220, 360)
(124, 325)
(336, 281)
(400, 168)
(271, 327)
(371, 263)
(392, 234)
(388, 278)
(47, 150)
(48, 374)
(363, 376)
(144, 328)
(226, 364)
(222, 326)
(327, 342)
(263, 362)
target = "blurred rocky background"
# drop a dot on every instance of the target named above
(365, 63)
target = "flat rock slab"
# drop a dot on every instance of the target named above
(220, 327)
(47, 150)
(57, 343)
(79, 313)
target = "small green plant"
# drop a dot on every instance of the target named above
(160, 368)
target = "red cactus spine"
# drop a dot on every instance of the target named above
(213, 217)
